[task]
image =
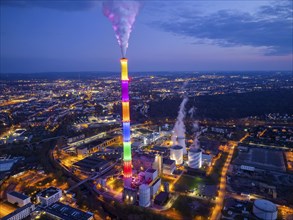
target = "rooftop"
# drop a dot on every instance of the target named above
(49, 192)
(18, 195)
(91, 162)
(177, 147)
(9, 216)
(162, 197)
(168, 161)
(150, 170)
(67, 212)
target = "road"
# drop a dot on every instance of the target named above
(96, 175)
(223, 181)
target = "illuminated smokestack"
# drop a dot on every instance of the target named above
(127, 169)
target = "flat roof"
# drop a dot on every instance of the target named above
(49, 192)
(67, 212)
(150, 170)
(18, 195)
(91, 162)
(162, 197)
(17, 211)
(160, 148)
(168, 161)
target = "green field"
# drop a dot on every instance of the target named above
(187, 182)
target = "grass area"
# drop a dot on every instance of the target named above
(190, 207)
(187, 182)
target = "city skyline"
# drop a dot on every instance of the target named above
(200, 128)
(205, 35)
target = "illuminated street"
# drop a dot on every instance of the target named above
(216, 213)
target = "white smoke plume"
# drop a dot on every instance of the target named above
(191, 112)
(179, 128)
(197, 134)
(122, 15)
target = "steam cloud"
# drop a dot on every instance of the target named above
(122, 15)
(197, 134)
(179, 128)
(191, 112)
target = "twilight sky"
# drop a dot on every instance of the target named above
(64, 35)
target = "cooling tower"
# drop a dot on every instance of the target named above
(176, 153)
(195, 158)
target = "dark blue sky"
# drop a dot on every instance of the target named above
(60, 35)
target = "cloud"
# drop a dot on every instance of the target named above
(270, 27)
(63, 5)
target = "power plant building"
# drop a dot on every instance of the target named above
(150, 174)
(144, 195)
(169, 166)
(158, 163)
(155, 186)
(176, 153)
(129, 196)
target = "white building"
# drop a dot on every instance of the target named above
(150, 174)
(158, 163)
(168, 166)
(18, 198)
(144, 195)
(155, 186)
(21, 212)
(49, 196)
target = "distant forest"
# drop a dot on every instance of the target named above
(229, 105)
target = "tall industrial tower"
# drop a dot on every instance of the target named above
(127, 170)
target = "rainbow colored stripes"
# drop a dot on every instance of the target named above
(127, 169)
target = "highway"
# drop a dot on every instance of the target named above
(216, 213)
